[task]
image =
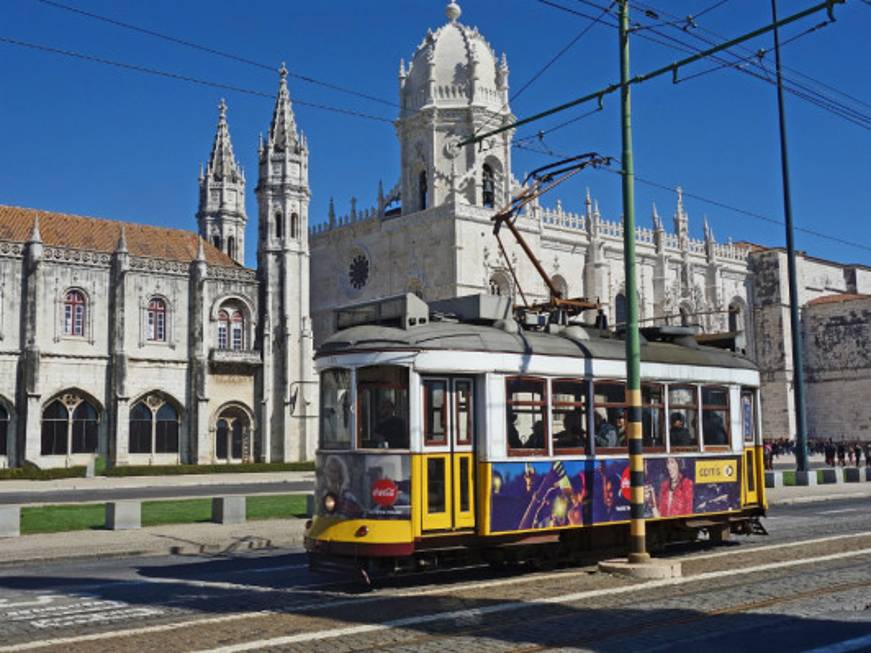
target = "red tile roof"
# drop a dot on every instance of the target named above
(101, 235)
(837, 298)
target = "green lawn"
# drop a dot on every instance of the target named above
(55, 519)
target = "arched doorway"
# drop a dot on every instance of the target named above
(233, 436)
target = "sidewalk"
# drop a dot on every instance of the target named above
(178, 539)
(182, 480)
(217, 539)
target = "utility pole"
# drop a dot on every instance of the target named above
(801, 463)
(637, 535)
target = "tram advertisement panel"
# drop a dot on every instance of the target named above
(376, 486)
(549, 494)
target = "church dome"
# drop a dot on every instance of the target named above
(454, 67)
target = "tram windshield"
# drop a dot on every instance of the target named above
(382, 397)
(335, 409)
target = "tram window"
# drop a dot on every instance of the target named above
(683, 417)
(382, 397)
(748, 415)
(526, 413)
(568, 401)
(464, 411)
(609, 414)
(652, 417)
(335, 409)
(715, 415)
(435, 402)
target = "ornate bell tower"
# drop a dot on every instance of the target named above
(221, 216)
(289, 387)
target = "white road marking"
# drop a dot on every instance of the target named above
(843, 647)
(774, 547)
(42, 599)
(516, 605)
(836, 512)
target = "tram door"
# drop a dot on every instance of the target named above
(448, 462)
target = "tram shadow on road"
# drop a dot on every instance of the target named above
(587, 611)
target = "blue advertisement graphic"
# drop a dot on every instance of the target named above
(550, 494)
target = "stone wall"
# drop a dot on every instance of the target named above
(838, 363)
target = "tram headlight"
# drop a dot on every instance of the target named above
(330, 503)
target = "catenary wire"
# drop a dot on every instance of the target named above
(209, 50)
(714, 202)
(809, 95)
(183, 78)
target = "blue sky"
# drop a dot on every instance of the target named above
(81, 137)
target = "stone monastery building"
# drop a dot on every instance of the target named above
(158, 346)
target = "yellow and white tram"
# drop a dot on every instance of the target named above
(449, 432)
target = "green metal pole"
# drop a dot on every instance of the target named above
(637, 537)
(801, 463)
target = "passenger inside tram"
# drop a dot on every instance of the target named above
(572, 434)
(680, 434)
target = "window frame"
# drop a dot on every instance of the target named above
(237, 328)
(544, 404)
(223, 330)
(75, 313)
(470, 412)
(428, 414)
(156, 321)
(696, 390)
(606, 405)
(585, 448)
(663, 406)
(719, 408)
(359, 397)
(351, 427)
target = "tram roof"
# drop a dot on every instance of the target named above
(459, 336)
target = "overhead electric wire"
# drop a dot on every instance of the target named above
(708, 200)
(183, 78)
(797, 89)
(209, 50)
(701, 28)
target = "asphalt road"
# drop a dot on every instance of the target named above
(804, 586)
(155, 492)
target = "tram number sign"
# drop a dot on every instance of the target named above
(384, 492)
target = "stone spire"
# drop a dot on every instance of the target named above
(222, 162)
(121, 246)
(221, 216)
(331, 213)
(35, 236)
(681, 220)
(282, 132)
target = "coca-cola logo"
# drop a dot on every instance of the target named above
(384, 492)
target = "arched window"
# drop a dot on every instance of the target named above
(237, 331)
(422, 190)
(736, 319)
(216, 241)
(561, 285)
(684, 316)
(294, 225)
(223, 330)
(231, 247)
(279, 225)
(69, 425)
(488, 187)
(4, 431)
(499, 285)
(75, 313)
(620, 311)
(155, 326)
(232, 435)
(140, 429)
(153, 426)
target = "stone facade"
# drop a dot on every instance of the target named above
(156, 346)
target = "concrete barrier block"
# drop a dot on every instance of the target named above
(806, 478)
(123, 515)
(867, 474)
(832, 475)
(10, 521)
(228, 510)
(773, 479)
(309, 505)
(852, 475)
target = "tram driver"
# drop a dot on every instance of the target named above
(390, 431)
